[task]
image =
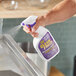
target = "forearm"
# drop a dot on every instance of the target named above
(61, 12)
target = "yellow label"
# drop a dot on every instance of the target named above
(45, 44)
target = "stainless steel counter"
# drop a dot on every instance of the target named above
(14, 59)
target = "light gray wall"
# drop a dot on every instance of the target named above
(65, 35)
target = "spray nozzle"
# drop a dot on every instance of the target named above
(29, 25)
(30, 21)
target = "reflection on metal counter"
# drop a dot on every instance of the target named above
(32, 54)
(14, 59)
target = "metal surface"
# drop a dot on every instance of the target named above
(32, 54)
(12, 57)
(41, 64)
(27, 47)
(8, 73)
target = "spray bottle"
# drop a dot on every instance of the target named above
(44, 44)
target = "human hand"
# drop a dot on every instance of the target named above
(40, 21)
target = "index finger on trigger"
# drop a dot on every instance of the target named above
(26, 28)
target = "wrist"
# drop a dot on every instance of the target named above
(49, 17)
(46, 19)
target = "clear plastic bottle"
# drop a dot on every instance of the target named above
(44, 44)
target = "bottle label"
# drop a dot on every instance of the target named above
(47, 46)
